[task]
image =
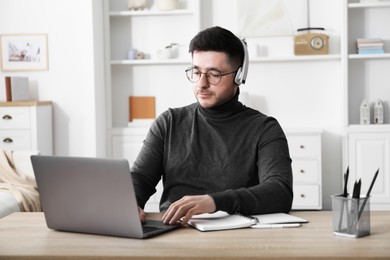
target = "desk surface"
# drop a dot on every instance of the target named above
(25, 235)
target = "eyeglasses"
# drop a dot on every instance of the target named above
(213, 76)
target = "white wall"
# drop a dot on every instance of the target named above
(70, 80)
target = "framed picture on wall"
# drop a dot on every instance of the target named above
(24, 52)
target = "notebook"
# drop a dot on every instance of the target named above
(91, 195)
(222, 221)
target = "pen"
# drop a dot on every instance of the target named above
(289, 225)
(345, 195)
(356, 189)
(368, 194)
(345, 192)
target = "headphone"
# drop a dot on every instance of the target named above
(242, 72)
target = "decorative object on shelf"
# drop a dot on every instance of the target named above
(311, 43)
(378, 112)
(369, 46)
(140, 56)
(142, 108)
(364, 113)
(16, 89)
(136, 4)
(24, 52)
(134, 54)
(167, 4)
(169, 52)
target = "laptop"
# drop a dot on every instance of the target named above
(91, 195)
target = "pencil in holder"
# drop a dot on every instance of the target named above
(351, 216)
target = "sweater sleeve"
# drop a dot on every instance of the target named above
(274, 191)
(148, 167)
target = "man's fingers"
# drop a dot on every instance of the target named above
(188, 206)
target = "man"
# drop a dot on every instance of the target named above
(215, 154)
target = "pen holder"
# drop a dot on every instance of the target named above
(351, 216)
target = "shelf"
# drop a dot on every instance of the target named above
(364, 5)
(254, 60)
(151, 13)
(369, 56)
(371, 128)
(150, 62)
(297, 58)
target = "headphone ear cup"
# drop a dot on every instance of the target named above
(238, 77)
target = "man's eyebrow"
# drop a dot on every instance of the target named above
(209, 68)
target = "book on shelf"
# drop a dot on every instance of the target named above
(369, 46)
(142, 107)
(221, 220)
(371, 51)
(17, 88)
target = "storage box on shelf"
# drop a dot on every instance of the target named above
(366, 78)
(26, 126)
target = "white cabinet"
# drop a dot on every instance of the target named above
(26, 126)
(367, 77)
(305, 152)
(369, 150)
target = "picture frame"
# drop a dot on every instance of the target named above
(264, 18)
(24, 52)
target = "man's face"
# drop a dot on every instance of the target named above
(209, 95)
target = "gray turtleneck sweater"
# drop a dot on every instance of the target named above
(235, 154)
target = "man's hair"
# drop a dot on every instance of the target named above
(221, 40)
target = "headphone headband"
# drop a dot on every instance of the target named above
(242, 72)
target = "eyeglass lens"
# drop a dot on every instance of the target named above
(213, 76)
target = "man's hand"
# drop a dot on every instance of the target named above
(187, 207)
(142, 215)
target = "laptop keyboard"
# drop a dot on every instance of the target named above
(147, 229)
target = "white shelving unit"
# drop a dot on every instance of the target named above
(367, 77)
(147, 31)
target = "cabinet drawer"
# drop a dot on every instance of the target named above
(306, 171)
(304, 146)
(15, 140)
(306, 197)
(14, 118)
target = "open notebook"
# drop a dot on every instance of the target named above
(222, 221)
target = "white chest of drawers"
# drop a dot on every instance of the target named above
(26, 126)
(305, 152)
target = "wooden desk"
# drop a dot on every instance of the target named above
(25, 236)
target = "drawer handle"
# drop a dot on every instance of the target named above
(7, 140)
(302, 171)
(302, 146)
(303, 196)
(7, 117)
